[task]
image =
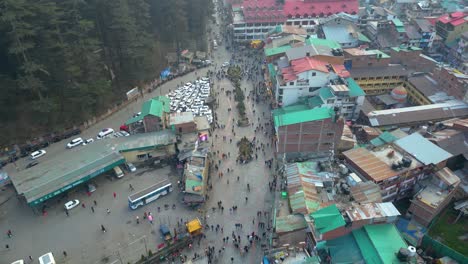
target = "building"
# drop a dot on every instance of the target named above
(411, 58)
(59, 174)
(342, 28)
(379, 80)
(182, 122)
(364, 58)
(451, 26)
(196, 173)
(369, 244)
(344, 95)
(416, 115)
(304, 76)
(456, 82)
(433, 195)
(382, 166)
(458, 54)
(301, 131)
(153, 116)
(427, 31)
(253, 19)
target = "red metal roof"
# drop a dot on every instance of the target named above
(307, 64)
(269, 11)
(341, 71)
(455, 19)
(315, 8)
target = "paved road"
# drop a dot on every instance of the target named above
(80, 235)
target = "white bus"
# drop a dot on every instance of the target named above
(163, 187)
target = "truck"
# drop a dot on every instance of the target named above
(165, 232)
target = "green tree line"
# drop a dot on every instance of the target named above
(64, 61)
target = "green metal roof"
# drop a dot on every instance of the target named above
(386, 241)
(323, 42)
(290, 223)
(327, 219)
(286, 117)
(363, 37)
(315, 101)
(384, 138)
(276, 50)
(383, 55)
(326, 93)
(397, 22)
(272, 71)
(354, 88)
(365, 246)
(155, 107)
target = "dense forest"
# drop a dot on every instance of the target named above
(63, 61)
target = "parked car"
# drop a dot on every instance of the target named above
(37, 154)
(225, 64)
(130, 167)
(71, 204)
(105, 132)
(32, 164)
(75, 142)
(88, 141)
(125, 133)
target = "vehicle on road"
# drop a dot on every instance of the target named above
(91, 188)
(47, 259)
(75, 142)
(32, 164)
(18, 262)
(225, 64)
(118, 172)
(130, 167)
(105, 132)
(71, 204)
(88, 141)
(165, 232)
(37, 154)
(125, 133)
(152, 193)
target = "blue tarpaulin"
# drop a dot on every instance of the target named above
(166, 72)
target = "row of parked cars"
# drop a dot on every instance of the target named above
(192, 97)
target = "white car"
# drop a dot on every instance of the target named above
(37, 154)
(71, 204)
(206, 79)
(105, 132)
(125, 133)
(131, 167)
(225, 64)
(75, 142)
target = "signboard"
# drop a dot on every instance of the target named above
(132, 93)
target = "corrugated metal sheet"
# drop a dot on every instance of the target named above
(372, 211)
(290, 223)
(422, 149)
(366, 192)
(370, 164)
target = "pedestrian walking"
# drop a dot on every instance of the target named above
(95, 203)
(92, 209)
(83, 205)
(131, 188)
(67, 213)
(108, 211)
(30, 259)
(65, 254)
(246, 199)
(115, 195)
(103, 228)
(137, 219)
(9, 233)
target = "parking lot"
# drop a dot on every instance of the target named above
(77, 234)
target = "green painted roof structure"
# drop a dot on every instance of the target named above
(326, 93)
(384, 138)
(289, 223)
(272, 71)
(277, 50)
(287, 117)
(156, 107)
(399, 25)
(315, 101)
(327, 219)
(379, 243)
(354, 88)
(363, 37)
(323, 42)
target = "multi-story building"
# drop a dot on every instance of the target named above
(153, 116)
(379, 80)
(304, 77)
(455, 82)
(344, 95)
(342, 28)
(411, 57)
(458, 53)
(253, 19)
(420, 9)
(427, 31)
(433, 195)
(301, 131)
(451, 26)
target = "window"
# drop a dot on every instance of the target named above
(291, 83)
(311, 89)
(330, 134)
(280, 91)
(142, 156)
(314, 73)
(331, 101)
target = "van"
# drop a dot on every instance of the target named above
(47, 259)
(118, 172)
